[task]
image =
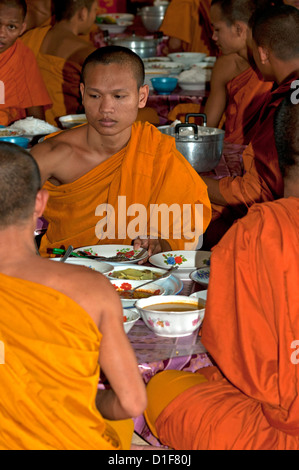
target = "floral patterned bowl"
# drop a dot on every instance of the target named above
(130, 318)
(149, 290)
(172, 323)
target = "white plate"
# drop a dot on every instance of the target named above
(148, 60)
(112, 250)
(103, 268)
(187, 261)
(201, 276)
(201, 294)
(138, 267)
(118, 17)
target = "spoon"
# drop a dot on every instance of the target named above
(67, 254)
(166, 274)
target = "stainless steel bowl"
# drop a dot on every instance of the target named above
(144, 47)
(152, 17)
(200, 145)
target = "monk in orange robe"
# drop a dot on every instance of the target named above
(262, 179)
(250, 329)
(60, 52)
(187, 23)
(55, 339)
(102, 174)
(238, 89)
(23, 92)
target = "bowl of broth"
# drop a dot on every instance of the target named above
(172, 315)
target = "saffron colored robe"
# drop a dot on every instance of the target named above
(22, 85)
(61, 77)
(247, 94)
(189, 21)
(150, 172)
(251, 329)
(49, 372)
(262, 180)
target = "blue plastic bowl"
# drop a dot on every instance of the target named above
(18, 140)
(164, 85)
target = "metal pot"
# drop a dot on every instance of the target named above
(201, 145)
(152, 17)
(144, 47)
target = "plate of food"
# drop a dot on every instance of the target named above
(107, 251)
(187, 261)
(201, 276)
(102, 268)
(136, 272)
(129, 299)
(72, 120)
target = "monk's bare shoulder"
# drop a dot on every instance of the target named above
(89, 289)
(227, 67)
(56, 153)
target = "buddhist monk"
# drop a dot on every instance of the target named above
(279, 61)
(251, 329)
(60, 51)
(22, 90)
(59, 325)
(187, 23)
(238, 89)
(110, 181)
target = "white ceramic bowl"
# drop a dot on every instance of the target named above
(95, 265)
(130, 318)
(118, 17)
(122, 286)
(171, 324)
(115, 28)
(191, 86)
(72, 120)
(187, 58)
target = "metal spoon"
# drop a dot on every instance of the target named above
(67, 254)
(166, 274)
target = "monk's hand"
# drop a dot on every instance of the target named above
(153, 246)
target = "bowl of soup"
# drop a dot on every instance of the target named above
(128, 299)
(172, 315)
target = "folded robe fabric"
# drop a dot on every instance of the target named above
(22, 82)
(251, 329)
(262, 180)
(189, 21)
(50, 376)
(149, 172)
(61, 77)
(247, 94)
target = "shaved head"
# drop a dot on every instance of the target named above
(19, 183)
(20, 4)
(66, 9)
(242, 10)
(116, 55)
(278, 30)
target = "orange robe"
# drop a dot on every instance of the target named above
(247, 94)
(189, 21)
(22, 84)
(262, 180)
(251, 329)
(61, 77)
(149, 171)
(50, 374)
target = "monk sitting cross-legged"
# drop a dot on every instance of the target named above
(22, 90)
(60, 52)
(251, 329)
(59, 324)
(277, 57)
(238, 89)
(101, 174)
